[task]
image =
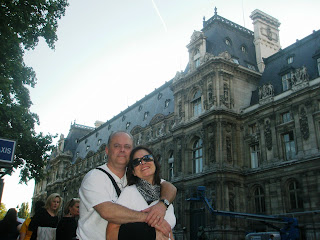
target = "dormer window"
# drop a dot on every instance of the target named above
(145, 115)
(243, 49)
(235, 60)
(290, 60)
(318, 64)
(196, 58)
(166, 103)
(286, 81)
(227, 41)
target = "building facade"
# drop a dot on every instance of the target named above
(243, 120)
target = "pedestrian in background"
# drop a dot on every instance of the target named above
(46, 217)
(67, 226)
(25, 233)
(9, 225)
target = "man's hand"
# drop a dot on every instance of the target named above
(156, 214)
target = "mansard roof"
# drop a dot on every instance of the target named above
(304, 53)
(139, 114)
(76, 132)
(218, 29)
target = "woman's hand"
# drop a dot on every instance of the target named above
(161, 236)
(156, 214)
(164, 227)
(112, 231)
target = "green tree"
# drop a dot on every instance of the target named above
(24, 211)
(22, 24)
(3, 211)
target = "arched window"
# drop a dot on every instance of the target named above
(295, 198)
(197, 156)
(259, 200)
(196, 103)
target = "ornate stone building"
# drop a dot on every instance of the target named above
(243, 120)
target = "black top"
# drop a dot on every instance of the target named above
(42, 219)
(136, 231)
(66, 229)
(8, 231)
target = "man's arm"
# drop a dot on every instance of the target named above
(157, 212)
(168, 191)
(119, 214)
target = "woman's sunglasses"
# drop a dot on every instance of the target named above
(146, 158)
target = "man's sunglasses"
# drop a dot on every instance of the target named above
(146, 158)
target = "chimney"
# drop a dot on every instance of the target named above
(266, 36)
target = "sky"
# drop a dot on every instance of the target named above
(109, 54)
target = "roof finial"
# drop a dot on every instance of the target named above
(215, 11)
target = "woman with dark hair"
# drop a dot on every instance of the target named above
(25, 233)
(67, 226)
(143, 191)
(47, 216)
(9, 225)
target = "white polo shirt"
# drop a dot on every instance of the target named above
(96, 188)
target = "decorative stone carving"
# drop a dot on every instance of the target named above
(225, 55)
(207, 57)
(178, 76)
(272, 36)
(267, 135)
(299, 78)
(161, 131)
(139, 140)
(212, 150)
(156, 119)
(210, 94)
(304, 127)
(266, 93)
(224, 99)
(228, 145)
(196, 35)
(60, 144)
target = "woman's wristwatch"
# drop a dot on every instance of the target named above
(165, 202)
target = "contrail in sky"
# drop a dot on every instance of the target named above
(163, 23)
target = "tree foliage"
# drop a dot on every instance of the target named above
(22, 24)
(3, 210)
(24, 211)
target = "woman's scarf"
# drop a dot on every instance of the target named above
(149, 192)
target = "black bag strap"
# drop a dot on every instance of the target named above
(112, 180)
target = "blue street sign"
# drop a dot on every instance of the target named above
(7, 148)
